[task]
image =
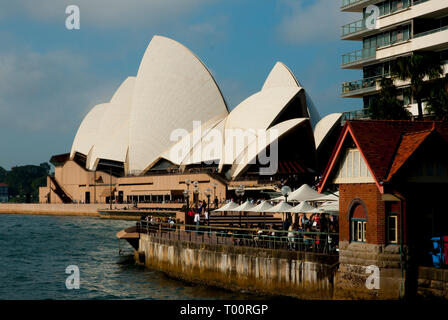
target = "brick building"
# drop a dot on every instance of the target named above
(392, 178)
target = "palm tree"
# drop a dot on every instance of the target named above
(387, 106)
(416, 68)
(437, 103)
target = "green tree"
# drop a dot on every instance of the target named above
(418, 68)
(437, 100)
(24, 181)
(387, 106)
(3, 174)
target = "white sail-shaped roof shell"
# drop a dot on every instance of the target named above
(88, 130)
(172, 90)
(247, 156)
(112, 139)
(324, 126)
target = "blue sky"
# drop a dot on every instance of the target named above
(51, 77)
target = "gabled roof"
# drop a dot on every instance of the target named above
(385, 145)
(409, 143)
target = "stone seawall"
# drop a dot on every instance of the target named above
(264, 271)
(433, 282)
(354, 258)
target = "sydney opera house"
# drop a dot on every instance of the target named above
(170, 124)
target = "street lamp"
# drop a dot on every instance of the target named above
(214, 184)
(285, 192)
(240, 193)
(187, 197)
(208, 193)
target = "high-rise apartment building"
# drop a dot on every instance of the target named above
(402, 28)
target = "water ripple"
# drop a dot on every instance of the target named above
(35, 251)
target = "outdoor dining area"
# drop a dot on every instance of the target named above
(301, 220)
(302, 214)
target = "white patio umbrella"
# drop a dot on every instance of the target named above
(330, 207)
(304, 193)
(227, 207)
(246, 206)
(303, 207)
(262, 207)
(280, 207)
(327, 197)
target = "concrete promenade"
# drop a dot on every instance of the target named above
(55, 209)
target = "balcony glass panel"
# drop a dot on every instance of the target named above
(354, 27)
(358, 55)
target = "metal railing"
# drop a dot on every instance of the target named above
(301, 241)
(353, 27)
(365, 83)
(346, 3)
(426, 33)
(358, 55)
(355, 115)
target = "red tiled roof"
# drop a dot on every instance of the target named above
(409, 143)
(385, 144)
(380, 141)
(3, 184)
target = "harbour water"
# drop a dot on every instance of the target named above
(36, 250)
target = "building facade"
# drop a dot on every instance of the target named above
(402, 28)
(391, 177)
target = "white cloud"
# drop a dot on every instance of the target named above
(106, 13)
(315, 23)
(47, 91)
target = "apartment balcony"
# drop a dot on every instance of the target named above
(356, 5)
(353, 28)
(418, 9)
(432, 40)
(358, 30)
(359, 88)
(356, 59)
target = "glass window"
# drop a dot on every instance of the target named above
(359, 230)
(406, 33)
(392, 230)
(393, 37)
(386, 38)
